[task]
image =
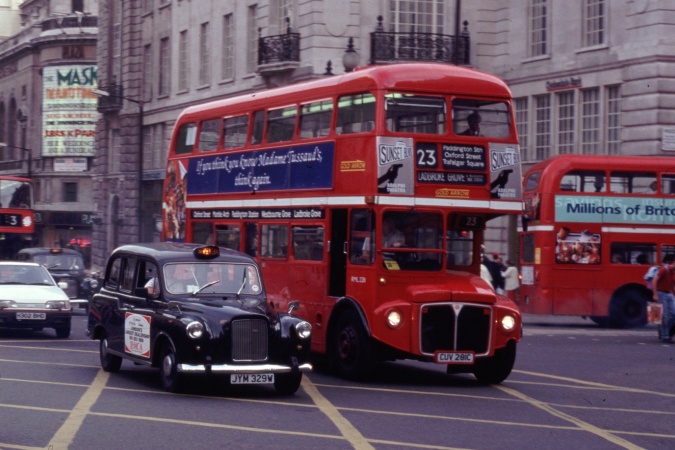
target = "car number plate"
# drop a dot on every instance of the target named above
(251, 378)
(454, 357)
(30, 316)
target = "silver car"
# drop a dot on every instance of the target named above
(31, 299)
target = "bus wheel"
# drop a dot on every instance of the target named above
(287, 383)
(168, 370)
(628, 309)
(494, 370)
(352, 354)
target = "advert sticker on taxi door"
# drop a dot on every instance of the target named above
(137, 334)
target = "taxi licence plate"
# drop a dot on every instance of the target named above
(454, 357)
(30, 316)
(251, 378)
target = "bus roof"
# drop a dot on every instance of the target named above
(553, 168)
(412, 77)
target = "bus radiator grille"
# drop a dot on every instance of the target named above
(445, 330)
(249, 340)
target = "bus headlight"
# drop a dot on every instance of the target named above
(303, 330)
(394, 318)
(508, 323)
(195, 329)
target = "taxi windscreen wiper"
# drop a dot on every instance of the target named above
(210, 283)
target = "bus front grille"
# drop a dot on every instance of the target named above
(249, 340)
(455, 327)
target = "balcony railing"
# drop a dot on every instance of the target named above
(57, 23)
(278, 53)
(389, 46)
(112, 102)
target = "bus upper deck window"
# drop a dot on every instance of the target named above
(408, 113)
(668, 184)
(235, 129)
(187, 135)
(472, 117)
(209, 135)
(356, 114)
(281, 124)
(315, 119)
(632, 182)
(258, 127)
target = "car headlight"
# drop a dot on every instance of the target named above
(7, 304)
(508, 322)
(303, 329)
(57, 304)
(195, 329)
(394, 318)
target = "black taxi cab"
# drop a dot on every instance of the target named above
(189, 309)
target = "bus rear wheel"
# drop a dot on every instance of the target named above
(496, 369)
(628, 309)
(351, 352)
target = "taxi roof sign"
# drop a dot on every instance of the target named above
(206, 252)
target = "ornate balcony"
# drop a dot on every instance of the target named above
(279, 53)
(388, 47)
(112, 102)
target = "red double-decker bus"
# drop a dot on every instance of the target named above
(17, 220)
(365, 196)
(593, 226)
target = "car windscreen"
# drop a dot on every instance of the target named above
(212, 278)
(33, 275)
(60, 261)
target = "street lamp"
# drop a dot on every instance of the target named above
(28, 159)
(350, 60)
(103, 93)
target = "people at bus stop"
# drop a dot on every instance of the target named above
(663, 286)
(511, 280)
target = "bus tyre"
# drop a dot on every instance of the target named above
(628, 309)
(496, 369)
(287, 383)
(352, 355)
(109, 363)
(168, 370)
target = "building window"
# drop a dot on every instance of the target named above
(227, 58)
(543, 126)
(594, 22)
(613, 120)
(164, 66)
(147, 73)
(522, 118)
(252, 34)
(590, 121)
(566, 113)
(115, 150)
(117, 41)
(204, 55)
(69, 192)
(284, 15)
(78, 5)
(419, 16)
(538, 27)
(153, 147)
(183, 61)
(148, 6)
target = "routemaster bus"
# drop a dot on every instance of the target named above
(592, 227)
(365, 197)
(17, 220)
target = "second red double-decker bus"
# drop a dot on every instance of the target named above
(364, 196)
(17, 220)
(593, 226)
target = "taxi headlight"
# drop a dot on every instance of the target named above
(195, 329)
(303, 330)
(394, 319)
(508, 322)
(7, 304)
(57, 304)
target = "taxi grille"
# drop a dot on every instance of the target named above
(249, 340)
(455, 327)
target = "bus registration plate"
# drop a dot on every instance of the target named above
(251, 378)
(454, 357)
(30, 316)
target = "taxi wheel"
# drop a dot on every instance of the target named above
(168, 370)
(109, 363)
(497, 368)
(287, 383)
(352, 354)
